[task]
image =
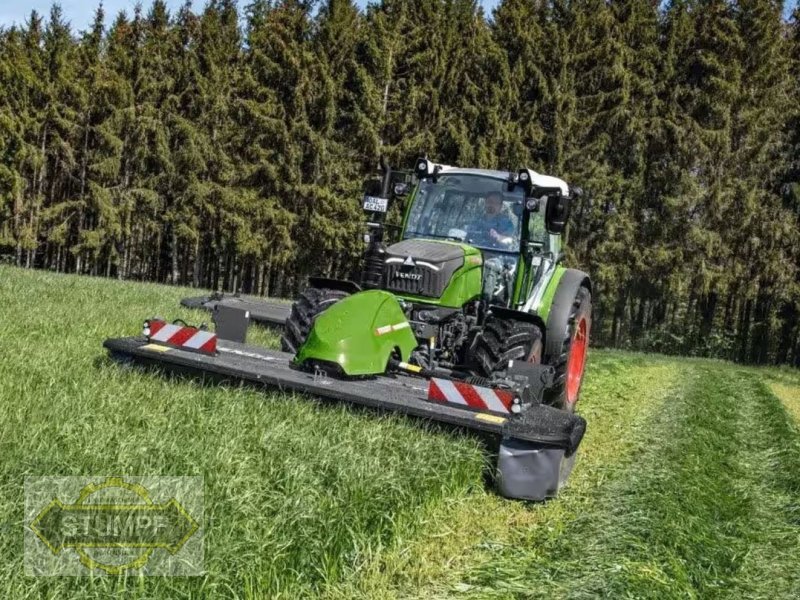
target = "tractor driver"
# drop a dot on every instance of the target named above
(494, 228)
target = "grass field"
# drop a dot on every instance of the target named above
(687, 484)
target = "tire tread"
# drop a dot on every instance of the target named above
(307, 307)
(500, 341)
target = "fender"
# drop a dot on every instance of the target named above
(510, 313)
(343, 285)
(560, 308)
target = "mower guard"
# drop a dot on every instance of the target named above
(405, 394)
(359, 333)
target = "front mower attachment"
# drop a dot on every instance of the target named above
(261, 311)
(537, 443)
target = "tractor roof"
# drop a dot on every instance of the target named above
(544, 181)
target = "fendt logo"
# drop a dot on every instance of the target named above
(408, 264)
(411, 276)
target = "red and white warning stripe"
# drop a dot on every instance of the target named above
(474, 396)
(181, 336)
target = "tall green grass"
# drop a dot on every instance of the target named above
(295, 492)
(686, 484)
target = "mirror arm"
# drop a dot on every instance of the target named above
(386, 183)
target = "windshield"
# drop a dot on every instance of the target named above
(475, 209)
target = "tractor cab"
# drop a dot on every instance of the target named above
(477, 209)
(472, 235)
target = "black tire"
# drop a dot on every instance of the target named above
(581, 311)
(305, 309)
(502, 340)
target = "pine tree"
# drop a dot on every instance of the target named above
(134, 122)
(522, 29)
(789, 312)
(760, 146)
(17, 153)
(632, 128)
(348, 135)
(275, 135)
(54, 190)
(32, 77)
(180, 149)
(706, 78)
(85, 220)
(214, 71)
(590, 117)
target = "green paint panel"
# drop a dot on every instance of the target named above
(347, 334)
(519, 295)
(547, 300)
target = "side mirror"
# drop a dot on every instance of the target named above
(557, 213)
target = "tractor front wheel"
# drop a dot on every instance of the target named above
(569, 359)
(305, 309)
(502, 340)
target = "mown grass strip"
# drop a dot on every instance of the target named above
(459, 533)
(689, 519)
(770, 569)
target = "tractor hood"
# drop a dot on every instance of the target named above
(430, 268)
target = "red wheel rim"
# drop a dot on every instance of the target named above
(577, 360)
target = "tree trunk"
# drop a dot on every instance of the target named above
(744, 330)
(18, 206)
(173, 249)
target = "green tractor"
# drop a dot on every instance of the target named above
(474, 283)
(468, 320)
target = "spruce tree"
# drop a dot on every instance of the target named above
(760, 147)
(632, 128)
(18, 150)
(523, 31)
(60, 137)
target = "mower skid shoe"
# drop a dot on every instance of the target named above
(261, 311)
(529, 470)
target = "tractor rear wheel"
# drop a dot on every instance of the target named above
(569, 360)
(502, 340)
(305, 309)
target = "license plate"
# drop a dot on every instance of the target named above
(375, 204)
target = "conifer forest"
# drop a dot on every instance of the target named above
(224, 146)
